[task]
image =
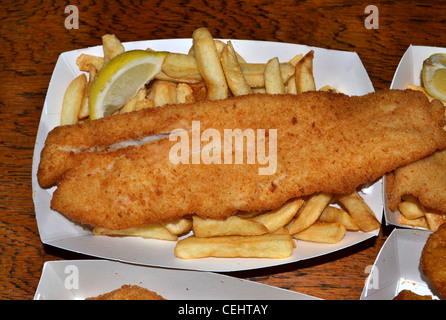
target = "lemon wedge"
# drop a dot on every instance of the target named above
(434, 75)
(120, 79)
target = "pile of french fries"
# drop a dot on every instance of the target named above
(321, 218)
(213, 70)
(414, 214)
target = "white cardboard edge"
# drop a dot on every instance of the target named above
(80, 279)
(397, 267)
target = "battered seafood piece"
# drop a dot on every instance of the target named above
(129, 292)
(425, 179)
(410, 295)
(326, 142)
(433, 259)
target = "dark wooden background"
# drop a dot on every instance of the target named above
(33, 34)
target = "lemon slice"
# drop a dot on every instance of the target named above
(434, 75)
(120, 79)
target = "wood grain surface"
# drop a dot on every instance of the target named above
(33, 35)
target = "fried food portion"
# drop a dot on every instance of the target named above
(326, 142)
(129, 292)
(410, 295)
(424, 179)
(433, 259)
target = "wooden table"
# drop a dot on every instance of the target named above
(33, 34)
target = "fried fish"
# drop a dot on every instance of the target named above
(109, 174)
(424, 179)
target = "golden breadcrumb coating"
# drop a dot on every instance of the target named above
(326, 142)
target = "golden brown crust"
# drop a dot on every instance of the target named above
(425, 179)
(128, 292)
(326, 142)
(410, 295)
(433, 259)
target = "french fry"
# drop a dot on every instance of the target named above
(184, 93)
(254, 73)
(219, 45)
(179, 227)
(131, 104)
(360, 211)
(149, 231)
(209, 65)
(234, 225)
(291, 86)
(329, 88)
(274, 246)
(233, 72)
(163, 93)
(164, 77)
(258, 90)
(334, 214)
(411, 208)
(111, 47)
(276, 219)
(85, 111)
(181, 66)
(295, 60)
(418, 222)
(249, 214)
(310, 212)
(144, 104)
(304, 74)
(273, 77)
(322, 232)
(84, 61)
(281, 230)
(73, 100)
(199, 90)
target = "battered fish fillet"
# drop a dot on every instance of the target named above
(129, 292)
(425, 179)
(326, 142)
(433, 259)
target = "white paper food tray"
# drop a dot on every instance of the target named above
(339, 69)
(397, 267)
(408, 72)
(80, 279)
